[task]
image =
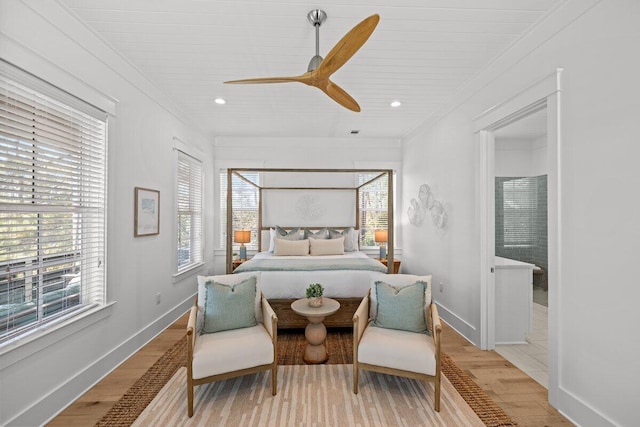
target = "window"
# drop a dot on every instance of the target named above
(519, 205)
(374, 206)
(246, 201)
(52, 203)
(189, 212)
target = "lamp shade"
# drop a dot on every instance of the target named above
(380, 236)
(242, 236)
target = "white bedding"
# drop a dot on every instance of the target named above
(336, 283)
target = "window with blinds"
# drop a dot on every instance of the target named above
(246, 201)
(374, 206)
(52, 203)
(188, 212)
(519, 205)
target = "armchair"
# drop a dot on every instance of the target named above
(232, 352)
(394, 351)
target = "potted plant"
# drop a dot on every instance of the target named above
(314, 294)
(235, 256)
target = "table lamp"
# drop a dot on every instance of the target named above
(242, 237)
(381, 237)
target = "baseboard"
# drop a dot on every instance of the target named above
(460, 325)
(44, 410)
(579, 412)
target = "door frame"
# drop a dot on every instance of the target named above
(544, 93)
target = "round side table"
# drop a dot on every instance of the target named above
(315, 332)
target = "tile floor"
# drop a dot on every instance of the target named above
(531, 358)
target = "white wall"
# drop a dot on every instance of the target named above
(40, 378)
(312, 153)
(600, 233)
(521, 157)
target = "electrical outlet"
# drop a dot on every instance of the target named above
(441, 287)
(158, 298)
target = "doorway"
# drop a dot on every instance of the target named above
(544, 94)
(521, 243)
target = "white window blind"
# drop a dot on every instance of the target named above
(519, 204)
(52, 203)
(246, 200)
(374, 206)
(189, 212)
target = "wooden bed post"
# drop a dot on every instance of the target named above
(259, 219)
(229, 261)
(390, 227)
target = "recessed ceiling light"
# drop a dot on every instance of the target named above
(220, 101)
(396, 104)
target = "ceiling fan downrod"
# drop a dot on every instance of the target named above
(316, 17)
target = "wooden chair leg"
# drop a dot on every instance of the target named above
(189, 397)
(436, 398)
(355, 378)
(274, 380)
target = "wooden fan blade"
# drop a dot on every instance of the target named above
(339, 95)
(302, 79)
(348, 45)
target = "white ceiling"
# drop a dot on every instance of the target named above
(422, 53)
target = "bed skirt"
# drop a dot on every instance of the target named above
(288, 319)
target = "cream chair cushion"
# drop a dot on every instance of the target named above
(395, 349)
(230, 351)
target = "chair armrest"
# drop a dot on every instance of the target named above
(269, 318)
(436, 326)
(361, 319)
(191, 330)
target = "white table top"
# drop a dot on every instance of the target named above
(328, 307)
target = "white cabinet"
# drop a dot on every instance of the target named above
(514, 299)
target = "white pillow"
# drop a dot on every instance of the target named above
(229, 280)
(397, 281)
(326, 246)
(356, 240)
(285, 247)
(272, 236)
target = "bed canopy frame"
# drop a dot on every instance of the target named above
(241, 172)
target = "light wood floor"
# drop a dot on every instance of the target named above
(520, 396)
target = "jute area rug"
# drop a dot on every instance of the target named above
(317, 395)
(305, 394)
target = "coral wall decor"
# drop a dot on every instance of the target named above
(426, 202)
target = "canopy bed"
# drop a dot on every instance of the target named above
(309, 228)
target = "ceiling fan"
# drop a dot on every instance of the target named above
(319, 71)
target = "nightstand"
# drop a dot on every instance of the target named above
(236, 263)
(396, 264)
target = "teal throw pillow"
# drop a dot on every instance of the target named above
(229, 307)
(401, 308)
(320, 234)
(293, 234)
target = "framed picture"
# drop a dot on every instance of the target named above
(147, 212)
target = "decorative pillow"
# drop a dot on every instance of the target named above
(272, 236)
(293, 234)
(356, 240)
(320, 234)
(229, 280)
(401, 308)
(291, 247)
(398, 281)
(326, 247)
(348, 234)
(229, 307)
